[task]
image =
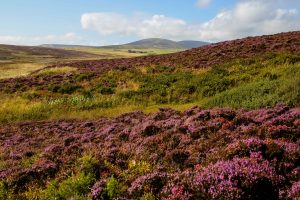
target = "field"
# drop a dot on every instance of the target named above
(123, 53)
(21, 61)
(216, 122)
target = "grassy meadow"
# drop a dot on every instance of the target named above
(251, 83)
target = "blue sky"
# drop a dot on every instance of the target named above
(101, 22)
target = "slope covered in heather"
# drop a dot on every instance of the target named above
(196, 154)
(203, 57)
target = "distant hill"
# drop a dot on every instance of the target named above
(154, 43)
(157, 43)
(151, 43)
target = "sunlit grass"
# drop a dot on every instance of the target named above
(18, 69)
(56, 70)
(14, 109)
(123, 53)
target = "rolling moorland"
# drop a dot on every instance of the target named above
(23, 60)
(217, 122)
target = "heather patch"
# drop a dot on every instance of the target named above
(195, 154)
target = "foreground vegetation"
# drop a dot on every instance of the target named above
(248, 83)
(196, 154)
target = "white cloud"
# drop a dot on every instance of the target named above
(247, 17)
(203, 3)
(143, 27)
(252, 17)
(68, 38)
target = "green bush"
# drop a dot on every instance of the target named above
(4, 190)
(113, 188)
(148, 196)
(106, 90)
(84, 77)
(76, 187)
(68, 88)
(88, 165)
(215, 81)
(65, 88)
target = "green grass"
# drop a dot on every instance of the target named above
(251, 83)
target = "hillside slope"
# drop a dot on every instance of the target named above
(10, 52)
(205, 56)
(189, 44)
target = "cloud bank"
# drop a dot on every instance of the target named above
(247, 17)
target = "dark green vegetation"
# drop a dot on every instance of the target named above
(242, 83)
(249, 83)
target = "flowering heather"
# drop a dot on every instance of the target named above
(286, 154)
(294, 192)
(240, 178)
(98, 189)
(178, 193)
(153, 182)
(196, 154)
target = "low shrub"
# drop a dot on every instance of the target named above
(76, 187)
(113, 188)
(66, 88)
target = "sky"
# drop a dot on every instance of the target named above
(104, 22)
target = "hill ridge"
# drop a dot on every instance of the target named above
(158, 43)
